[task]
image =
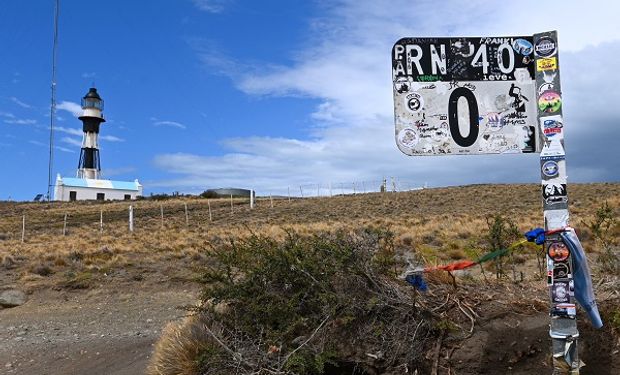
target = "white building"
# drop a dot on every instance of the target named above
(88, 184)
(72, 189)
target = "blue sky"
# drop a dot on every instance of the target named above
(273, 94)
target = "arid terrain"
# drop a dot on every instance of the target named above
(99, 296)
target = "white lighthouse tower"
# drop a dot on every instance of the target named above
(89, 165)
(89, 185)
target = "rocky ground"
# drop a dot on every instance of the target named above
(107, 330)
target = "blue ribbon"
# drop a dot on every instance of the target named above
(417, 281)
(536, 235)
(584, 291)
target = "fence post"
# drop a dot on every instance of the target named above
(301, 191)
(330, 190)
(354, 191)
(209, 204)
(64, 226)
(271, 199)
(289, 194)
(130, 218)
(161, 208)
(318, 190)
(100, 220)
(186, 215)
(251, 199)
(23, 227)
(231, 205)
(363, 187)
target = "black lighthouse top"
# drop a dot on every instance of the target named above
(92, 100)
(92, 104)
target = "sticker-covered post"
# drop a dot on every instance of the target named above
(560, 263)
(500, 95)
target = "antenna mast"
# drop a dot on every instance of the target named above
(53, 106)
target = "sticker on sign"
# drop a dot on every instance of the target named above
(465, 96)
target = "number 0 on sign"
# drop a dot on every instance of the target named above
(465, 95)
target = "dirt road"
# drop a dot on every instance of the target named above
(111, 329)
(108, 330)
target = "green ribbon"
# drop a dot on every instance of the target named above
(499, 253)
(493, 255)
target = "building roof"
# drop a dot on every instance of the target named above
(92, 93)
(100, 184)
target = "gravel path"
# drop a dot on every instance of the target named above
(110, 330)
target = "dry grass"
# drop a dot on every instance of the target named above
(180, 345)
(439, 224)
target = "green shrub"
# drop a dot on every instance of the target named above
(502, 232)
(601, 228)
(294, 306)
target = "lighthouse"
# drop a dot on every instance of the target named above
(89, 165)
(89, 184)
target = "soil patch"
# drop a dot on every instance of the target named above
(110, 330)
(519, 344)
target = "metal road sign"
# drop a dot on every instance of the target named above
(465, 95)
(493, 95)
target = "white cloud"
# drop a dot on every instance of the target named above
(64, 149)
(211, 6)
(41, 144)
(7, 114)
(20, 103)
(71, 107)
(18, 121)
(72, 141)
(172, 124)
(111, 138)
(72, 131)
(37, 143)
(345, 64)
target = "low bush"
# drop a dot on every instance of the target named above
(311, 305)
(501, 233)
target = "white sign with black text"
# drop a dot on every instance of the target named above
(465, 96)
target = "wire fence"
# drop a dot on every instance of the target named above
(24, 221)
(356, 187)
(63, 218)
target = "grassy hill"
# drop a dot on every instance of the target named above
(438, 223)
